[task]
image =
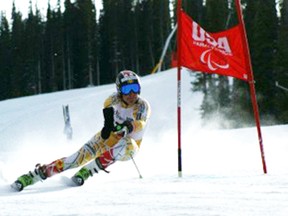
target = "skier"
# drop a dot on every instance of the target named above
(125, 117)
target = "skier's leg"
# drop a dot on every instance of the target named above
(122, 151)
(86, 153)
(100, 163)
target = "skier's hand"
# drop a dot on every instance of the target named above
(108, 114)
(123, 129)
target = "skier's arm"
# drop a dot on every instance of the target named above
(141, 117)
(108, 122)
(108, 113)
(138, 125)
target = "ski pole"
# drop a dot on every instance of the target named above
(140, 176)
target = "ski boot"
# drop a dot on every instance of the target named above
(85, 172)
(30, 178)
(82, 175)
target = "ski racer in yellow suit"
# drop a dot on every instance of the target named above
(125, 117)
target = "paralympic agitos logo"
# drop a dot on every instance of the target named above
(217, 48)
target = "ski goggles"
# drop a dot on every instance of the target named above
(127, 89)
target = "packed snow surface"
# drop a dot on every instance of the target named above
(222, 169)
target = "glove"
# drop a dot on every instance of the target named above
(108, 122)
(123, 129)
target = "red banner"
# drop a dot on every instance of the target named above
(221, 53)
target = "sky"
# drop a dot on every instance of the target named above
(23, 6)
(222, 169)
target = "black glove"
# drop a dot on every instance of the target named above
(108, 122)
(123, 129)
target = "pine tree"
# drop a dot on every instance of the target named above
(68, 37)
(17, 41)
(216, 101)
(84, 42)
(33, 51)
(194, 9)
(162, 29)
(145, 31)
(5, 58)
(117, 32)
(108, 42)
(282, 64)
(53, 51)
(125, 39)
(263, 57)
(241, 113)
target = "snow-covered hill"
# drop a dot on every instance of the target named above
(222, 170)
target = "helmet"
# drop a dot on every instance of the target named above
(127, 81)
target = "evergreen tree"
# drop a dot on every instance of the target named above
(117, 38)
(124, 38)
(153, 27)
(145, 31)
(282, 64)
(107, 40)
(17, 54)
(241, 112)
(263, 57)
(55, 59)
(194, 9)
(104, 28)
(5, 58)
(69, 18)
(84, 42)
(161, 29)
(52, 42)
(32, 49)
(215, 88)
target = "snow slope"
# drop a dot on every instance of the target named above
(222, 169)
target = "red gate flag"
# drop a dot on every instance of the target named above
(225, 53)
(220, 53)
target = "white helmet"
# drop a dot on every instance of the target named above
(128, 81)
